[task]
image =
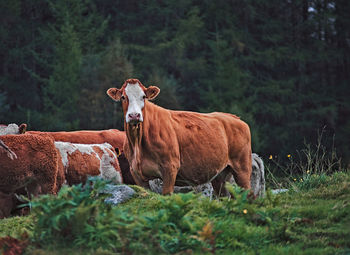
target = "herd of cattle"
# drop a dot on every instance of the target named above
(181, 148)
(42, 162)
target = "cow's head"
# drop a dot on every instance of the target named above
(133, 95)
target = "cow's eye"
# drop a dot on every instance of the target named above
(143, 97)
(123, 97)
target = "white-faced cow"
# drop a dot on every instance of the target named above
(13, 129)
(179, 146)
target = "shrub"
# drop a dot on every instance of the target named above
(73, 213)
(78, 217)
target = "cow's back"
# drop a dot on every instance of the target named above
(114, 137)
(236, 131)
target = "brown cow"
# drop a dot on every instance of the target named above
(10, 129)
(180, 146)
(35, 168)
(83, 160)
(35, 171)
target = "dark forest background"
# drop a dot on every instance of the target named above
(282, 65)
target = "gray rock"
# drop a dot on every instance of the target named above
(156, 185)
(206, 189)
(257, 180)
(120, 193)
(277, 191)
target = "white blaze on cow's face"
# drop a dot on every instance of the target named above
(136, 97)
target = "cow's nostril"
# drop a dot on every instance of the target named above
(134, 116)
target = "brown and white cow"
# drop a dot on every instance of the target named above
(83, 160)
(114, 137)
(179, 146)
(13, 129)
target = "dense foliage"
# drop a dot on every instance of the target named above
(283, 66)
(312, 218)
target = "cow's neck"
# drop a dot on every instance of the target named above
(138, 136)
(134, 136)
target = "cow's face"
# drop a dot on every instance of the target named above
(133, 95)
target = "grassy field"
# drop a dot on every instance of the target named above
(313, 217)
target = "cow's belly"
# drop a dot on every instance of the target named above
(202, 165)
(203, 155)
(190, 171)
(199, 172)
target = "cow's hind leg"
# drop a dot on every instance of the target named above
(242, 169)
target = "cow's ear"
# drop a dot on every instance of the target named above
(114, 93)
(22, 128)
(152, 92)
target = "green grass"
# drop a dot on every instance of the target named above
(312, 218)
(16, 226)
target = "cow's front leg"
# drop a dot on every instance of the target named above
(169, 173)
(138, 179)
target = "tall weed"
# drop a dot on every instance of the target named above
(308, 168)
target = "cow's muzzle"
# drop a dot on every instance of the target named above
(134, 118)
